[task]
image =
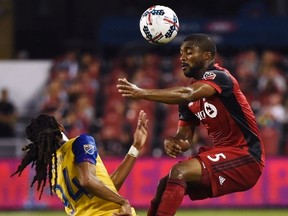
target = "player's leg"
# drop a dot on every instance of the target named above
(182, 172)
(202, 189)
(156, 200)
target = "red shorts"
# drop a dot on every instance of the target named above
(230, 170)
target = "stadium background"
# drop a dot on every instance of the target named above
(64, 57)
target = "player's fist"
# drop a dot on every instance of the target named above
(174, 147)
(125, 210)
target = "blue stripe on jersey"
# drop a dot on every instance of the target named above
(84, 149)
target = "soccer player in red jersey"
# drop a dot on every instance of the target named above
(236, 159)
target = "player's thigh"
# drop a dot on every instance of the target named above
(230, 169)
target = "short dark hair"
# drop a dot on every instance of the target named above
(203, 41)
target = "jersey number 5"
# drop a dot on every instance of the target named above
(216, 157)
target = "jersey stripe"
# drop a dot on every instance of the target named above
(234, 108)
(219, 167)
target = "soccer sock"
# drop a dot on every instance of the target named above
(153, 208)
(156, 200)
(172, 197)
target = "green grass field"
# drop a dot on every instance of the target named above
(215, 212)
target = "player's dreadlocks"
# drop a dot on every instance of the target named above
(45, 137)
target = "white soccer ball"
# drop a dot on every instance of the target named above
(159, 24)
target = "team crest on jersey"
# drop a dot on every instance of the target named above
(89, 149)
(208, 110)
(209, 75)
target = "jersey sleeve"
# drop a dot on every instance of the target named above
(186, 116)
(219, 80)
(84, 149)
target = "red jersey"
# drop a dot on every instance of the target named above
(227, 115)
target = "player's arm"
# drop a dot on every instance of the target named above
(140, 136)
(85, 157)
(181, 142)
(88, 180)
(176, 95)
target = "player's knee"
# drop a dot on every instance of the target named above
(177, 171)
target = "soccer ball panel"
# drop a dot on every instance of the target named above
(159, 24)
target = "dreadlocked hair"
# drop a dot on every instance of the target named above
(45, 137)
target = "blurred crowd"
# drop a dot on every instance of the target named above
(81, 92)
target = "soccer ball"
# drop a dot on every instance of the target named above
(159, 24)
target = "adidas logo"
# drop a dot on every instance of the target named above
(221, 180)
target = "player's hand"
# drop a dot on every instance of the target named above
(174, 147)
(125, 210)
(140, 134)
(128, 89)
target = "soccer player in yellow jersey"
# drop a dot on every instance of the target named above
(82, 181)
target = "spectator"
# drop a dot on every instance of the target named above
(8, 115)
(271, 119)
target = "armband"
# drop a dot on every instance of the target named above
(134, 152)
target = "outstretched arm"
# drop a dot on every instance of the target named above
(176, 95)
(140, 136)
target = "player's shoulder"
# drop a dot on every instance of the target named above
(86, 137)
(86, 142)
(216, 72)
(85, 149)
(220, 78)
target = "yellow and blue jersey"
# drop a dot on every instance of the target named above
(77, 200)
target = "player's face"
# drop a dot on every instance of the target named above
(61, 127)
(192, 59)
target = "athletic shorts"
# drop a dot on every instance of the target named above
(230, 170)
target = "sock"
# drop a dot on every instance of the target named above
(172, 197)
(156, 200)
(153, 208)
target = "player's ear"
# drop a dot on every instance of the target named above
(207, 55)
